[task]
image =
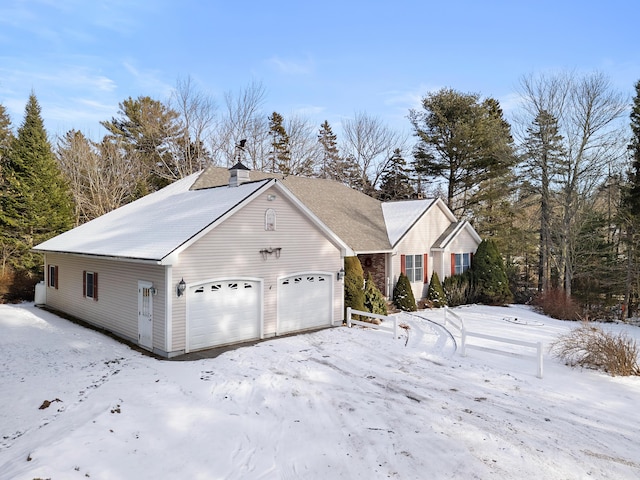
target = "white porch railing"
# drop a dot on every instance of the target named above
(451, 318)
(384, 327)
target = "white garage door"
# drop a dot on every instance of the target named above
(223, 312)
(304, 301)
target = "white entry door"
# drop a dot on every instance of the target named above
(145, 315)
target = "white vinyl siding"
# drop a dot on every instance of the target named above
(232, 249)
(117, 307)
(420, 239)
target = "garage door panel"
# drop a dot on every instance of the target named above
(223, 312)
(304, 301)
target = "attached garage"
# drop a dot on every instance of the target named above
(224, 311)
(305, 302)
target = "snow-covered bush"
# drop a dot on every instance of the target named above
(374, 301)
(435, 293)
(403, 296)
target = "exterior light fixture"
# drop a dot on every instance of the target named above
(181, 287)
(271, 198)
(340, 274)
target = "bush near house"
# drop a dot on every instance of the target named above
(435, 293)
(403, 296)
(489, 275)
(353, 284)
(374, 301)
(459, 289)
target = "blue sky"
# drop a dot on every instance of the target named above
(324, 60)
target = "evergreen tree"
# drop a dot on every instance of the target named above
(395, 182)
(491, 284)
(353, 284)
(6, 135)
(462, 140)
(543, 159)
(630, 211)
(374, 301)
(149, 131)
(280, 145)
(435, 294)
(36, 202)
(330, 155)
(403, 297)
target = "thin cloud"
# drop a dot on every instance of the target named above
(149, 81)
(292, 67)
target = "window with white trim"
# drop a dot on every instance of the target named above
(52, 280)
(414, 268)
(463, 262)
(90, 285)
(270, 220)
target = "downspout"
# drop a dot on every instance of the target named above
(168, 309)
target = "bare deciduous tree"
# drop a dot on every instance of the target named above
(587, 110)
(370, 143)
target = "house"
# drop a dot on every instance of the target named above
(231, 255)
(415, 237)
(182, 269)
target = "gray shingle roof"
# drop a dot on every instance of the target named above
(355, 217)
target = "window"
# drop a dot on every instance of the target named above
(461, 263)
(413, 268)
(270, 220)
(53, 276)
(90, 285)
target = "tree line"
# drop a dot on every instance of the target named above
(557, 187)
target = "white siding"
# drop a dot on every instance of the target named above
(232, 249)
(419, 240)
(117, 306)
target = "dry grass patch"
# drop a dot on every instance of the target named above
(591, 347)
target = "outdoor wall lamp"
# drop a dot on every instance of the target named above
(181, 287)
(340, 274)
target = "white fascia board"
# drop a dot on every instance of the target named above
(145, 261)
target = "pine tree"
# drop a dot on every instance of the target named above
(148, 129)
(630, 210)
(403, 296)
(353, 284)
(544, 155)
(435, 293)
(280, 147)
(36, 202)
(395, 182)
(330, 163)
(6, 135)
(489, 275)
(374, 301)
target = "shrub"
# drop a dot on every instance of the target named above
(374, 301)
(591, 347)
(458, 289)
(489, 275)
(403, 295)
(353, 284)
(435, 293)
(556, 304)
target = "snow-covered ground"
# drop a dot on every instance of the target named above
(335, 404)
